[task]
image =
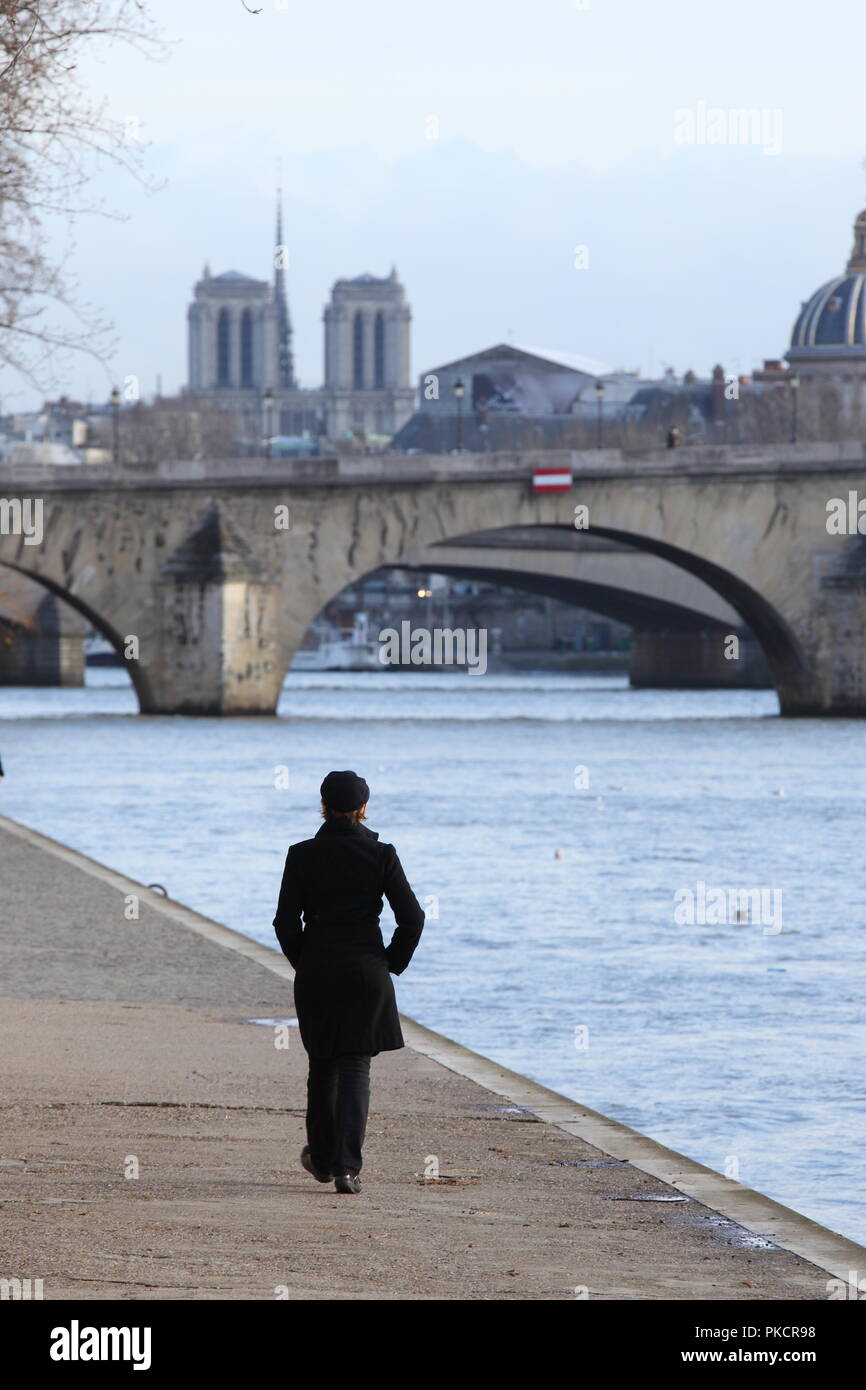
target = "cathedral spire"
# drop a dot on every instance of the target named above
(285, 360)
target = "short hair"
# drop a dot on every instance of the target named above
(355, 816)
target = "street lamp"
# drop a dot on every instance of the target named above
(268, 419)
(459, 390)
(428, 594)
(599, 396)
(115, 426)
(794, 383)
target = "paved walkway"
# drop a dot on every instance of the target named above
(124, 1046)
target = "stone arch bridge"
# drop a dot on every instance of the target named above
(216, 570)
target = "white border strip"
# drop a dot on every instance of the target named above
(841, 1257)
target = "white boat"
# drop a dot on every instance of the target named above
(98, 651)
(341, 649)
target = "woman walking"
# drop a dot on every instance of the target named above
(344, 995)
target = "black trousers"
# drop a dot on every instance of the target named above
(338, 1099)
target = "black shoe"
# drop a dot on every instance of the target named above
(307, 1162)
(347, 1182)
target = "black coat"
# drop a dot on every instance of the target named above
(344, 995)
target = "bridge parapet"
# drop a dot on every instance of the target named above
(706, 460)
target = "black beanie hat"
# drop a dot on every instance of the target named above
(344, 791)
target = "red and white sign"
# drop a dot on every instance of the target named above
(551, 480)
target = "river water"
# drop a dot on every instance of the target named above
(548, 823)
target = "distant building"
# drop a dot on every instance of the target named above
(513, 379)
(241, 354)
(19, 454)
(56, 433)
(510, 396)
(773, 373)
(507, 394)
(828, 342)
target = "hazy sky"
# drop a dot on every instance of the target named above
(554, 127)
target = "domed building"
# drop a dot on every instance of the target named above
(828, 343)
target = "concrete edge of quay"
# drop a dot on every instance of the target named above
(763, 1216)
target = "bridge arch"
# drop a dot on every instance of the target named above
(784, 654)
(612, 580)
(96, 620)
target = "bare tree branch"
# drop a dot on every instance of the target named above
(52, 137)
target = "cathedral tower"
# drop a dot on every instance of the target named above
(233, 334)
(241, 355)
(367, 335)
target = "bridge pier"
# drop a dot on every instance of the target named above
(214, 648)
(831, 682)
(695, 660)
(48, 650)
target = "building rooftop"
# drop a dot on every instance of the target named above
(235, 275)
(572, 361)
